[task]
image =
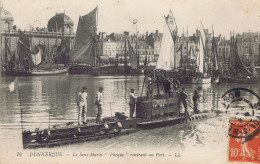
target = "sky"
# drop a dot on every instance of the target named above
(118, 15)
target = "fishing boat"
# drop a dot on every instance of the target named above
(154, 108)
(29, 61)
(169, 60)
(84, 58)
(237, 71)
(202, 76)
(83, 55)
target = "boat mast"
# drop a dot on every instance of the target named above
(187, 49)
(57, 57)
(250, 50)
(138, 56)
(0, 41)
(125, 62)
(95, 55)
(48, 47)
(95, 40)
(136, 43)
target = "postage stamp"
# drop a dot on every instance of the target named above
(244, 136)
(244, 139)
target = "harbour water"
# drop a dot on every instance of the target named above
(50, 100)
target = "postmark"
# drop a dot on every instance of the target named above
(236, 96)
(244, 127)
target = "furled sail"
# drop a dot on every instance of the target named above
(179, 57)
(84, 48)
(7, 52)
(215, 54)
(252, 65)
(133, 57)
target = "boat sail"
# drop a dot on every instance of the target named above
(31, 63)
(25, 60)
(202, 76)
(37, 58)
(8, 59)
(84, 48)
(238, 71)
(236, 65)
(166, 60)
(215, 70)
(133, 57)
(63, 52)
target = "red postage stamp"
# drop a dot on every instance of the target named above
(244, 140)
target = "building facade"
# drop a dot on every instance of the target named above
(248, 46)
(50, 40)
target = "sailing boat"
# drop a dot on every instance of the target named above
(238, 73)
(201, 75)
(83, 58)
(168, 59)
(30, 63)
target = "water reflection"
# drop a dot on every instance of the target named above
(54, 97)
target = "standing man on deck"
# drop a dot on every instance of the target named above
(195, 99)
(82, 105)
(99, 104)
(132, 99)
(183, 99)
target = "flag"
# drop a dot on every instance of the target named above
(12, 85)
(170, 20)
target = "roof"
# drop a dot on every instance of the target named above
(143, 44)
(117, 37)
(6, 15)
(59, 20)
(224, 42)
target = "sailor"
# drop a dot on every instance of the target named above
(99, 104)
(132, 100)
(149, 88)
(167, 88)
(183, 99)
(82, 104)
(196, 99)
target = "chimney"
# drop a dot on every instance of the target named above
(100, 35)
(104, 35)
(156, 32)
(146, 33)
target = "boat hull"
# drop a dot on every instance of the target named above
(70, 134)
(239, 80)
(36, 72)
(201, 80)
(104, 70)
